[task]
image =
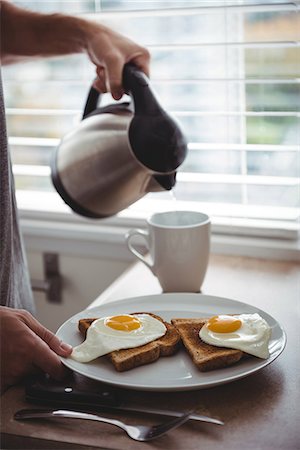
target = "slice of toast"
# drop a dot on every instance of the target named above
(206, 357)
(130, 358)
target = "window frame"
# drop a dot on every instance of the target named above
(231, 226)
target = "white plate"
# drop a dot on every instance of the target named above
(175, 372)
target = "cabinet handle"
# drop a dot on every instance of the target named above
(52, 283)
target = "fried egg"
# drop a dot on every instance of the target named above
(249, 333)
(117, 332)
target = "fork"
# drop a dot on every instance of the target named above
(135, 432)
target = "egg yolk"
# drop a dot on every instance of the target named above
(123, 323)
(223, 324)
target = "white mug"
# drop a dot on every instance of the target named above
(179, 245)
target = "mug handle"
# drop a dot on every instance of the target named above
(136, 232)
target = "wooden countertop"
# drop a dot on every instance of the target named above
(260, 411)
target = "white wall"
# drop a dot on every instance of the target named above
(84, 278)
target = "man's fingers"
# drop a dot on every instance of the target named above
(142, 61)
(114, 76)
(100, 85)
(100, 82)
(46, 360)
(59, 347)
(115, 70)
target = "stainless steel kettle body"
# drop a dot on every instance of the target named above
(118, 153)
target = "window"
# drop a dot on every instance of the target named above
(229, 71)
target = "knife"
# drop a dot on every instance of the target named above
(42, 390)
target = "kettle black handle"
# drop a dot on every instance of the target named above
(91, 102)
(136, 83)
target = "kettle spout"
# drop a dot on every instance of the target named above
(159, 183)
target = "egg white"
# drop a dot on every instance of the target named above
(102, 339)
(252, 337)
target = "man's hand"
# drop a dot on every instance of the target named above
(26, 34)
(26, 346)
(110, 51)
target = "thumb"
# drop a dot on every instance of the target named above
(59, 347)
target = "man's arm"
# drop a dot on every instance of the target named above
(27, 34)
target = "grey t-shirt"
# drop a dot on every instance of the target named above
(15, 289)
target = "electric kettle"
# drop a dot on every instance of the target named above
(118, 153)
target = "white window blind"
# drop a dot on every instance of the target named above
(229, 71)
